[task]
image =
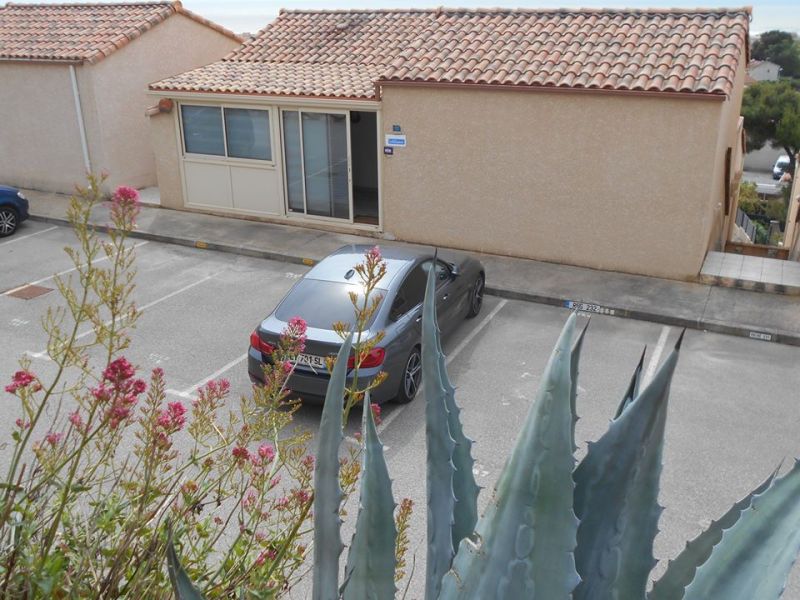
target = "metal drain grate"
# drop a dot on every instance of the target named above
(28, 292)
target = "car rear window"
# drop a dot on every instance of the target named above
(322, 303)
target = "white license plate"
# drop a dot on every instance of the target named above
(311, 360)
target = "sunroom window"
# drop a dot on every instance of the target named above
(245, 134)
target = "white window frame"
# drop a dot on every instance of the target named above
(304, 215)
(214, 158)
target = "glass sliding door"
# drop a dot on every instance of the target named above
(316, 156)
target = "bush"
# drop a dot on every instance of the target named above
(88, 491)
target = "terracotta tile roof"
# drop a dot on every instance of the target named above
(679, 51)
(277, 79)
(81, 32)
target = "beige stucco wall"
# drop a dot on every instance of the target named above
(716, 223)
(605, 181)
(122, 135)
(39, 138)
(164, 141)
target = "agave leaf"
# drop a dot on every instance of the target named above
(575, 359)
(524, 542)
(633, 387)
(616, 496)
(181, 584)
(327, 491)
(465, 489)
(755, 555)
(369, 573)
(440, 448)
(681, 571)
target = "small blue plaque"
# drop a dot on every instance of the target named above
(397, 128)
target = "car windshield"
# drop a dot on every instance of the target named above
(322, 303)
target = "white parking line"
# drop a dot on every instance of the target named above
(25, 237)
(64, 272)
(188, 392)
(43, 353)
(657, 351)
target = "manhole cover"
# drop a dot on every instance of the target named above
(27, 292)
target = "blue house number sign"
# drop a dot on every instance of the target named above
(397, 140)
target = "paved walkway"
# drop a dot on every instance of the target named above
(752, 273)
(764, 316)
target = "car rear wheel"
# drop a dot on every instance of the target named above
(476, 296)
(412, 377)
(8, 221)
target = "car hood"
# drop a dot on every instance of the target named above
(8, 189)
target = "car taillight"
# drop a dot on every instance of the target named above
(259, 344)
(373, 359)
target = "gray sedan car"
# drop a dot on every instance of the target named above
(321, 298)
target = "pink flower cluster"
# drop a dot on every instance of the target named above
(125, 203)
(294, 336)
(374, 254)
(173, 418)
(120, 390)
(23, 379)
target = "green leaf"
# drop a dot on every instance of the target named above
(524, 543)
(369, 573)
(575, 359)
(181, 584)
(633, 387)
(327, 490)
(681, 571)
(440, 469)
(465, 489)
(616, 496)
(754, 557)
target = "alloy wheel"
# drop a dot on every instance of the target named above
(412, 375)
(8, 222)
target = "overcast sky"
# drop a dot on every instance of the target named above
(252, 15)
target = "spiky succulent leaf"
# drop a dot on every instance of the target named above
(633, 387)
(575, 360)
(440, 447)
(327, 491)
(181, 584)
(616, 496)
(524, 542)
(369, 573)
(754, 556)
(465, 489)
(681, 571)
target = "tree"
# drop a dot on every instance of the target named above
(771, 111)
(781, 48)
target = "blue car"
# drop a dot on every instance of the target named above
(13, 209)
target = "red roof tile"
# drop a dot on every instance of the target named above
(335, 53)
(81, 32)
(277, 79)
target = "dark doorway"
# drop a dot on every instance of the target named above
(364, 156)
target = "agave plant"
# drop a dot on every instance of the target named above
(551, 530)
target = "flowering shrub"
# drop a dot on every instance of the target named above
(102, 459)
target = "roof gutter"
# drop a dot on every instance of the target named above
(76, 96)
(554, 89)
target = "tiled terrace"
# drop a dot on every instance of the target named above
(752, 273)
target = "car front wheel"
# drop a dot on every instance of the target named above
(8, 221)
(412, 377)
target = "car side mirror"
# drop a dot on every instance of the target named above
(454, 270)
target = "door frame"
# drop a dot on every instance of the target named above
(304, 215)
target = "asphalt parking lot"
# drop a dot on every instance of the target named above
(734, 411)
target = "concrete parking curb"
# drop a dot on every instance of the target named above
(582, 305)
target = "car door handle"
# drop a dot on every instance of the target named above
(445, 297)
(418, 319)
